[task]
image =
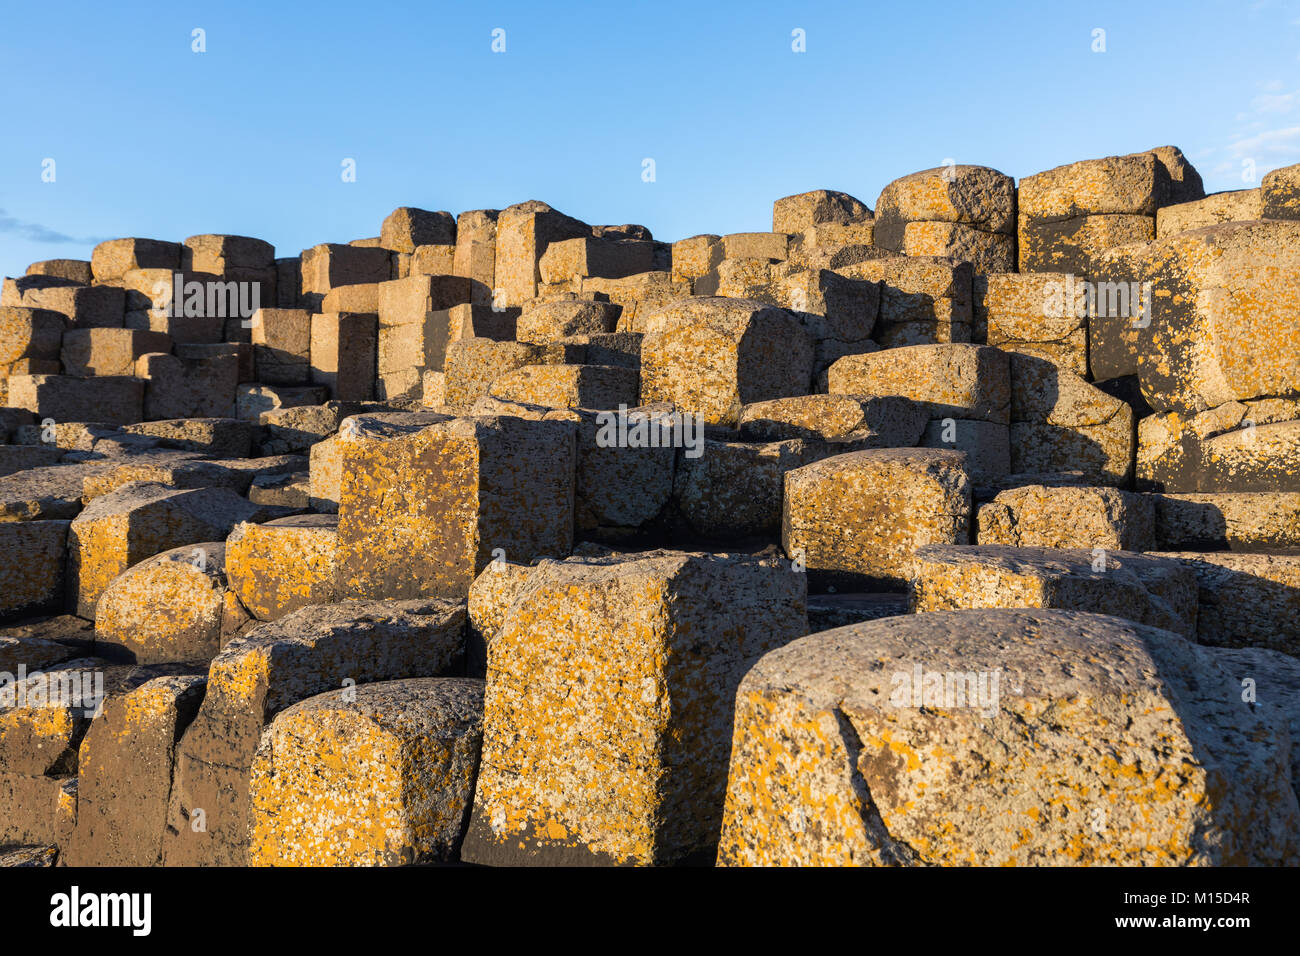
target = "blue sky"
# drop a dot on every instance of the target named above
(152, 139)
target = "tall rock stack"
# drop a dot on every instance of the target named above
(507, 538)
(1071, 214)
(965, 212)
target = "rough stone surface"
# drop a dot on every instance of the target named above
(175, 606)
(1271, 681)
(795, 214)
(607, 721)
(36, 809)
(952, 381)
(1241, 521)
(1059, 422)
(310, 651)
(424, 505)
(1238, 205)
(885, 422)
(42, 494)
(734, 490)
(975, 195)
(282, 565)
(856, 519)
(986, 445)
(1138, 587)
(1036, 315)
(32, 559)
(568, 386)
(1217, 323)
(1246, 600)
(1106, 743)
(1042, 517)
(30, 334)
(218, 437)
(712, 356)
(137, 521)
(381, 776)
(1280, 193)
(125, 773)
(118, 400)
(544, 321)
(924, 300)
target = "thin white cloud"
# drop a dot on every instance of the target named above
(1270, 103)
(1266, 135)
(35, 232)
(1273, 142)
